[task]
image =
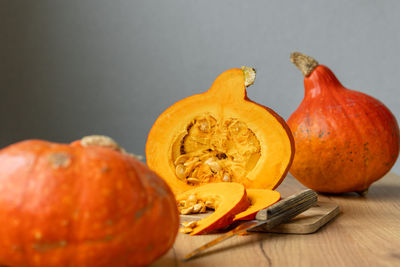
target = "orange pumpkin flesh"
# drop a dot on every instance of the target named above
(220, 136)
(230, 199)
(259, 199)
(345, 140)
(71, 205)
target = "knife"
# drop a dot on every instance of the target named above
(267, 218)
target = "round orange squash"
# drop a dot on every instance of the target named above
(345, 140)
(84, 204)
(220, 136)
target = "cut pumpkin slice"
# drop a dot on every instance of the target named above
(220, 136)
(229, 199)
(259, 199)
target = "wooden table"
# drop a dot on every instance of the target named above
(366, 233)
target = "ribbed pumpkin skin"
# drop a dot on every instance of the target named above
(68, 205)
(345, 140)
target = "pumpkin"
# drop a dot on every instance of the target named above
(220, 136)
(345, 140)
(259, 199)
(227, 199)
(83, 204)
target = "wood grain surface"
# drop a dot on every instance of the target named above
(366, 233)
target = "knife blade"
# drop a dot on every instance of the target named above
(268, 218)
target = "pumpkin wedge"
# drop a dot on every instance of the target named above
(259, 199)
(228, 199)
(220, 136)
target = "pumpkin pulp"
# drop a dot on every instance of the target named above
(213, 151)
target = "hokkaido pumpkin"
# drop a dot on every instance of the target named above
(345, 140)
(228, 199)
(84, 204)
(220, 136)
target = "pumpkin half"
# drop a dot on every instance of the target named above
(84, 204)
(228, 200)
(220, 136)
(345, 140)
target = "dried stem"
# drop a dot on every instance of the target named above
(100, 140)
(105, 141)
(304, 63)
(249, 75)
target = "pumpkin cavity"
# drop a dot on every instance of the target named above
(215, 151)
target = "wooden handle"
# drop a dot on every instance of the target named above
(308, 197)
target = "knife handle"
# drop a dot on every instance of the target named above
(308, 197)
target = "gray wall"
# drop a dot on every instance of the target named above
(73, 68)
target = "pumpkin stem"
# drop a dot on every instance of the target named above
(100, 140)
(249, 75)
(105, 141)
(304, 63)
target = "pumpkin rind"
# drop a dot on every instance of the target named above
(225, 101)
(259, 199)
(345, 140)
(69, 205)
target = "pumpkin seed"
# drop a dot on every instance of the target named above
(198, 207)
(181, 159)
(191, 224)
(186, 211)
(191, 200)
(180, 171)
(191, 161)
(182, 203)
(193, 180)
(226, 178)
(214, 165)
(185, 230)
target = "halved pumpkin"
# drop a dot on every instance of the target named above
(259, 199)
(220, 136)
(229, 199)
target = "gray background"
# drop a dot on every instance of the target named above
(73, 68)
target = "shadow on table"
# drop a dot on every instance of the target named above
(376, 191)
(384, 192)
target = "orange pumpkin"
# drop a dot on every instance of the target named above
(84, 204)
(220, 136)
(345, 140)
